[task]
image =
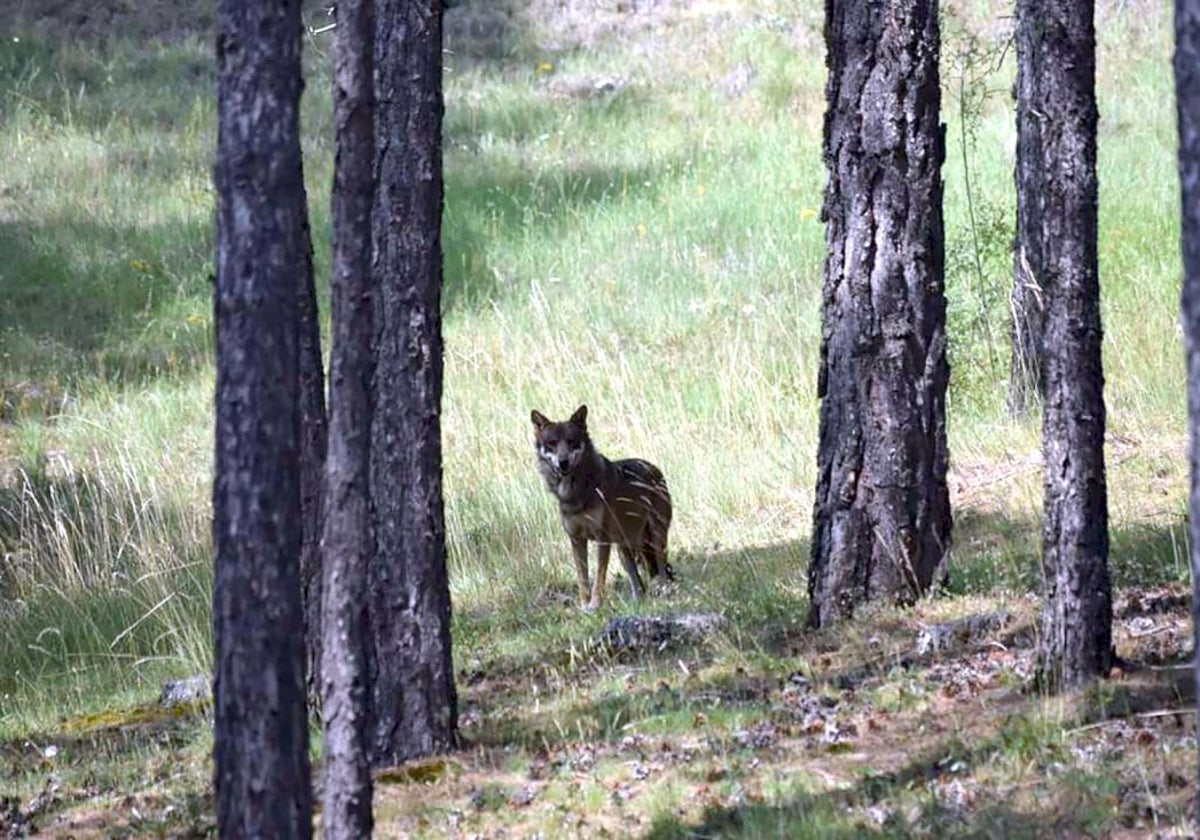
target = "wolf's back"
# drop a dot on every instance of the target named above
(646, 482)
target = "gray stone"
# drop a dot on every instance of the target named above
(963, 633)
(655, 633)
(188, 690)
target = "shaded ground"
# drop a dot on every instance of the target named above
(102, 21)
(137, 772)
(474, 30)
(852, 734)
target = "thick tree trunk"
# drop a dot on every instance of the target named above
(314, 443)
(347, 544)
(1187, 93)
(1076, 623)
(260, 749)
(881, 518)
(1025, 371)
(413, 703)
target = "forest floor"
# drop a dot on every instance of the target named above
(632, 198)
(860, 732)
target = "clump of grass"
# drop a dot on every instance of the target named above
(105, 585)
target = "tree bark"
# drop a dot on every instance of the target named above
(881, 518)
(260, 749)
(347, 543)
(314, 445)
(1187, 94)
(413, 702)
(1025, 370)
(1076, 621)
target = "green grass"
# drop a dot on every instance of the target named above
(622, 231)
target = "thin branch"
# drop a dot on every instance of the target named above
(1139, 716)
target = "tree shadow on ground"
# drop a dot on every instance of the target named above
(128, 304)
(99, 23)
(843, 813)
(485, 32)
(565, 646)
(82, 294)
(148, 87)
(107, 736)
(998, 552)
(900, 780)
(947, 787)
(486, 205)
(81, 771)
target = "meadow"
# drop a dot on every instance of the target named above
(631, 222)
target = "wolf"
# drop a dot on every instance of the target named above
(622, 503)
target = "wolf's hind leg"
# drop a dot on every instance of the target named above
(631, 569)
(655, 549)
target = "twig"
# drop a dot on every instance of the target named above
(1180, 666)
(1139, 716)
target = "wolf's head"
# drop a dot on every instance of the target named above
(561, 446)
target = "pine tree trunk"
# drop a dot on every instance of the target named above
(1025, 371)
(881, 519)
(413, 702)
(346, 780)
(314, 443)
(1187, 92)
(260, 749)
(1076, 622)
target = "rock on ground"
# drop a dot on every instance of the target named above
(187, 690)
(653, 633)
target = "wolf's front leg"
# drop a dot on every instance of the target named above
(579, 550)
(602, 552)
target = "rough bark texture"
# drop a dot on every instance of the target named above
(1025, 371)
(1076, 623)
(881, 518)
(413, 703)
(314, 444)
(346, 793)
(260, 750)
(1187, 92)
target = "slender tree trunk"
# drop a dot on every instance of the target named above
(881, 519)
(1076, 623)
(1187, 92)
(314, 444)
(347, 544)
(1025, 371)
(413, 702)
(260, 749)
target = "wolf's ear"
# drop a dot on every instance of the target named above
(580, 416)
(539, 420)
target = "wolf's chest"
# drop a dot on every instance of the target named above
(589, 522)
(606, 518)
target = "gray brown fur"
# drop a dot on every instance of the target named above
(622, 503)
